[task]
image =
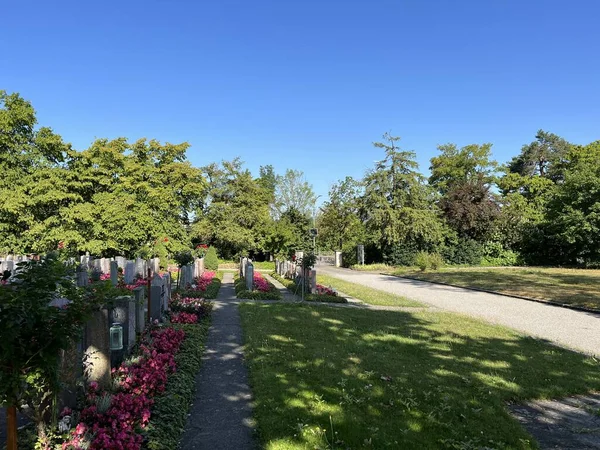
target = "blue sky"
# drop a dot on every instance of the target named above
(307, 84)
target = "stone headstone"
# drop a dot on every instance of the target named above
(83, 277)
(10, 266)
(129, 272)
(338, 259)
(97, 349)
(360, 254)
(249, 277)
(114, 273)
(124, 313)
(243, 265)
(155, 265)
(121, 261)
(312, 281)
(156, 302)
(140, 308)
(139, 267)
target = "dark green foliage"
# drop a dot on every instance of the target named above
(211, 260)
(34, 332)
(401, 254)
(170, 410)
(462, 251)
(242, 292)
(183, 258)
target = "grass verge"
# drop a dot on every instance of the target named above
(170, 410)
(575, 287)
(379, 268)
(242, 292)
(366, 294)
(360, 379)
(296, 290)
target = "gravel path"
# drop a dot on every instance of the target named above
(573, 329)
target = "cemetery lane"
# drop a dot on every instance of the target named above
(577, 330)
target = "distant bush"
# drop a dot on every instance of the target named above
(211, 261)
(463, 251)
(436, 261)
(494, 254)
(422, 261)
(402, 254)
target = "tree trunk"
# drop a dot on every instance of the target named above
(11, 428)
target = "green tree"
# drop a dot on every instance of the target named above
(397, 206)
(471, 163)
(236, 212)
(339, 222)
(293, 192)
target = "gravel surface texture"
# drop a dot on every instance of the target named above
(576, 330)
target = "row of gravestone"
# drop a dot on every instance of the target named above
(188, 273)
(93, 356)
(293, 271)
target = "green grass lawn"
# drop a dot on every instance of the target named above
(577, 287)
(331, 378)
(366, 294)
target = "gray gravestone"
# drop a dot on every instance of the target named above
(139, 268)
(140, 308)
(124, 313)
(121, 261)
(82, 277)
(338, 259)
(156, 301)
(312, 281)
(250, 277)
(129, 272)
(10, 266)
(97, 349)
(114, 273)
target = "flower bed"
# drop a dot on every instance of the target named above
(263, 289)
(179, 305)
(151, 396)
(116, 420)
(324, 294)
(205, 286)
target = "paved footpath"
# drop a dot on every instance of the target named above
(568, 328)
(221, 417)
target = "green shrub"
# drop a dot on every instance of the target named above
(402, 254)
(211, 261)
(436, 261)
(170, 410)
(494, 254)
(463, 251)
(422, 261)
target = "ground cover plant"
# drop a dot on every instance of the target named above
(576, 287)
(353, 378)
(366, 294)
(324, 293)
(205, 286)
(263, 289)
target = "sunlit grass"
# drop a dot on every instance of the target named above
(577, 287)
(351, 378)
(364, 293)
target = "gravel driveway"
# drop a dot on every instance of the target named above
(573, 329)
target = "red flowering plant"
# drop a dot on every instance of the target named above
(184, 317)
(114, 421)
(323, 290)
(260, 283)
(200, 250)
(191, 305)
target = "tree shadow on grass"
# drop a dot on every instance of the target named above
(333, 378)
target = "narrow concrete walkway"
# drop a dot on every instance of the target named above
(577, 330)
(221, 417)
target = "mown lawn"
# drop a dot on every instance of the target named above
(366, 294)
(331, 378)
(576, 287)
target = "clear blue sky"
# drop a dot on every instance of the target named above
(307, 84)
